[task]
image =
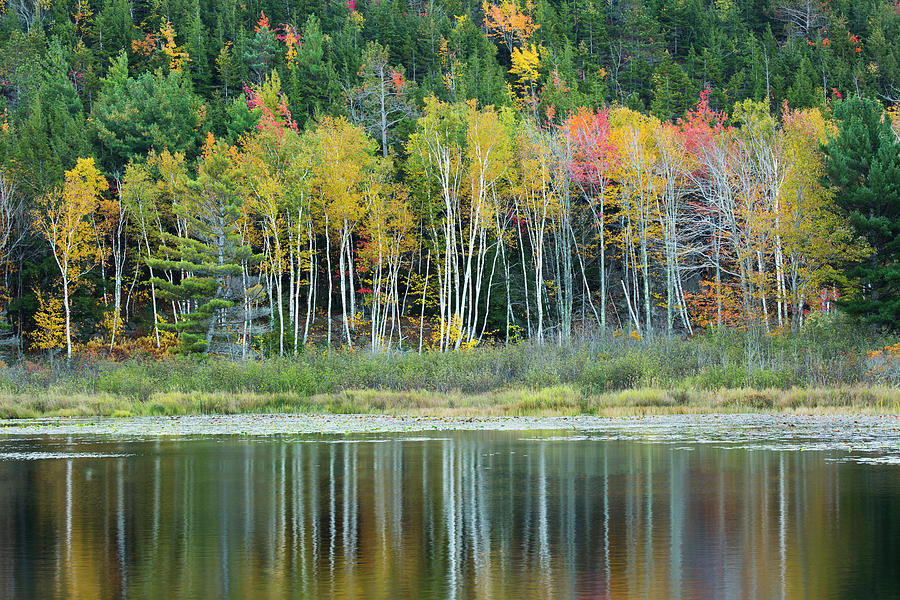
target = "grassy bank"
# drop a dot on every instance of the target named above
(559, 400)
(825, 366)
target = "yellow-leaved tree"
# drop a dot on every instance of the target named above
(63, 218)
(178, 57)
(815, 237)
(640, 188)
(50, 333)
(345, 176)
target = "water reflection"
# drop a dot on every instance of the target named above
(466, 515)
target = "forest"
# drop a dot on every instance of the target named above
(266, 178)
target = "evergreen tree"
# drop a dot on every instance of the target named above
(672, 93)
(51, 135)
(803, 92)
(261, 50)
(863, 162)
(211, 259)
(312, 82)
(115, 29)
(153, 111)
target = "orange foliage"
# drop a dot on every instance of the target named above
(178, 57)
(716, 304)
(263, 22)
(507, 22)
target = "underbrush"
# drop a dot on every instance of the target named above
(794, 369)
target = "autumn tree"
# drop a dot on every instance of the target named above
(63, 218)
(50, 323)
(537, 195)
(816, 239)
(459, 154)
(640, 189)
(507, 22)
(389, 241)
(514, 28)
(345, 175)
(671, 164)
(712, 231)
(274, 178)
(594, 160)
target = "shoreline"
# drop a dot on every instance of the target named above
(867, 438)
(555, 401)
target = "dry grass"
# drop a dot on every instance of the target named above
(549, 401)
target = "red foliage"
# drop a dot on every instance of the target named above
(701, 124)
(268, 121)
(594, 155)
(397, 79)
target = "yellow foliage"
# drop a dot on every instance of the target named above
(507, 22)
(885, 363)
(111, 326)
(291, 43)
(526, 64)
(357, 320)
(178, 57)
(453, 335)
(894, 114)
(63, 218)
(83, 17)
(50, 322)
(345, 171)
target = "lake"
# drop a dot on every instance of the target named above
(631, 510)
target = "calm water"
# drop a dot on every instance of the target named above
(452, 515)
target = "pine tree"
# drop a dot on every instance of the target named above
(260, 53)
(672, 93)
(313, 85)
(51, 134)
(114, 29)
(153, 111)
(803, 92)
(863, 162)
(210, 258)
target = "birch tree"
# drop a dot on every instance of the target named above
(63, 218)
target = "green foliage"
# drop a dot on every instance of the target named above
(50, 134)
(672, 90)
(115, 26)
(154, 111)
(312, 83)
(863, 161)
(260, 51)
(210, 259)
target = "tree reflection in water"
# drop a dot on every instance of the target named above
(461, 515)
